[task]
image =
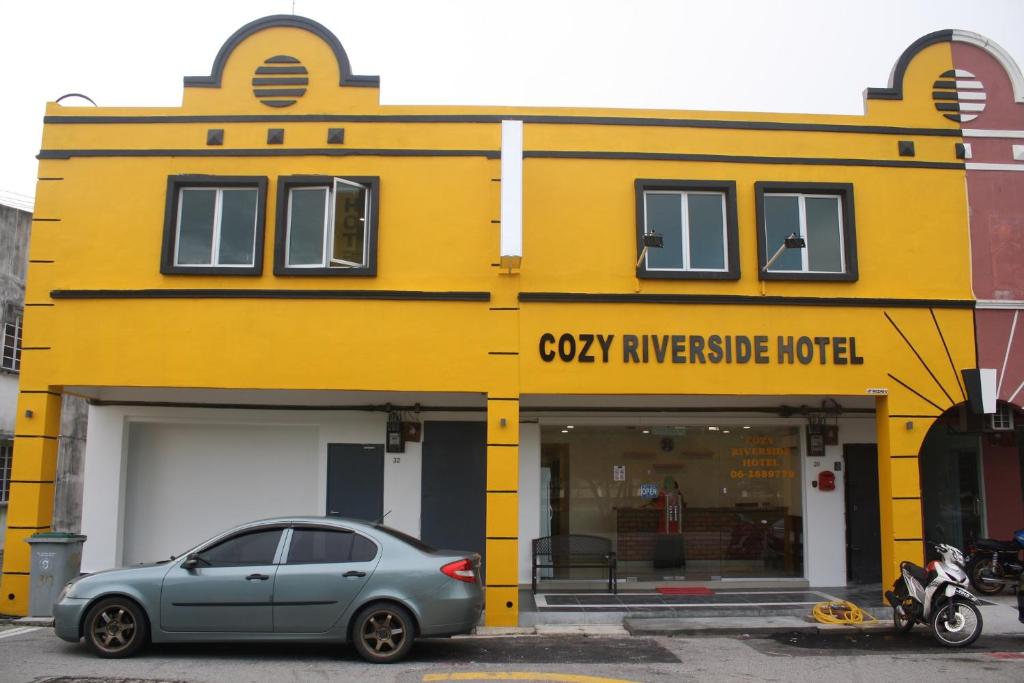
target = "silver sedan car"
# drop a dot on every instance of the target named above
(289, 579)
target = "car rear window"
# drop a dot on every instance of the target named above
(411, 540)
(322, 546)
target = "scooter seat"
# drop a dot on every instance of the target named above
(993, 545)
(919, 573)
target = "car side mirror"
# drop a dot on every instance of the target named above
(191, 562)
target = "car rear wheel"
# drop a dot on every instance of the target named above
(383, 633)
(116, 627)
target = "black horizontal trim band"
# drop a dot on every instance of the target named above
(49, 178)
(280, 81)
(923, 417)
(45, 220)
(39, 260)
(502, 398)
(489, 538)
(16, 573)
(908, 539)
(782, 411)
(502, 353)
(906, 498)
(265, 406)
(502, 491)
(35, 348)
(41, 391)
(24, 528)
(735, 159)
(497, 118)
(281, 70)
(305, 151)
(34, 436)
(31, 481)
(503, 308)
(945, 85)
(27, 305)
(716, 299)
(947, 106)
(376, 294)
(503, 445)
(944, 95)
(502, 585)
(279, 92)
(903, 457)
(498, 222)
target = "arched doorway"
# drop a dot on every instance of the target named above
(966, 459)
(952, 495)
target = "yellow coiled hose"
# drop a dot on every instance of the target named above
(841, 612)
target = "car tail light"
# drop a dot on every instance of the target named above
(462, 570)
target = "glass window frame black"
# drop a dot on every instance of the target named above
(845, 193)
(177, 183)
(732, 249)
(285, 184)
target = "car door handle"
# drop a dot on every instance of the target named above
(353, 573)
(257, 577)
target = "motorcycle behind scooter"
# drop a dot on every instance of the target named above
(993, 565)
(937, 596)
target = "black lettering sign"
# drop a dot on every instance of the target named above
(678, 348)
(606, 345)
(585, 356)
(567, 347)
(629, 342)
(546, 340)
(760, 349)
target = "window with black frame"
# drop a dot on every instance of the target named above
(821, 214)
(214, 225)
(693, 224)
(326, 225)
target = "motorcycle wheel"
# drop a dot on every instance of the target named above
(904, 622)
(956, 623)
(974, 571)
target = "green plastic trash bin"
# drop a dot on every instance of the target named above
(56, 559)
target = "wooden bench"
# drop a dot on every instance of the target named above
(575, 551)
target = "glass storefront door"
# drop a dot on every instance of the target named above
(693, 502)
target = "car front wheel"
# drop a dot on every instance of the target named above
(116, 627)
(383, 633)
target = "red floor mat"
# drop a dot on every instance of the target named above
(697, 590)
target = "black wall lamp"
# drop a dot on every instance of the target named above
(650, 240)
(793, 241)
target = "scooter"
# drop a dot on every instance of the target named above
(937, 596)
(993, 565)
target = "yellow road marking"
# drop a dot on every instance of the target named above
(522, 676)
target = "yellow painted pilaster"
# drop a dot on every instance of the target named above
(899, 488)
(37, 430)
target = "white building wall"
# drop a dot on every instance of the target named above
(157, 480)
(825, 511)
(8, 402)
(529, 496)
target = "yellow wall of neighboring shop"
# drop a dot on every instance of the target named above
(100, 217)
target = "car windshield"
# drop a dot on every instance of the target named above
(411, 540)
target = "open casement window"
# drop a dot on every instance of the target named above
(214, 225)
(697, 223)
(329, 226)
(820, 213)
(10, 340)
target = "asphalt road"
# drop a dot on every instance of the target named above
(37, 656)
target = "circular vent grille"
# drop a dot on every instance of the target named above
(280, 81)
(959, 95)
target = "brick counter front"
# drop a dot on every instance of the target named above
(708, 533)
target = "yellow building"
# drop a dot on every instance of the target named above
(263, 291)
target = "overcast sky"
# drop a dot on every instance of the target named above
(814, 56)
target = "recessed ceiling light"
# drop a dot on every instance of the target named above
(570, 426)
(725, 431)
(647, 431)
(712, 429)
(565, 431)
(746, 426)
